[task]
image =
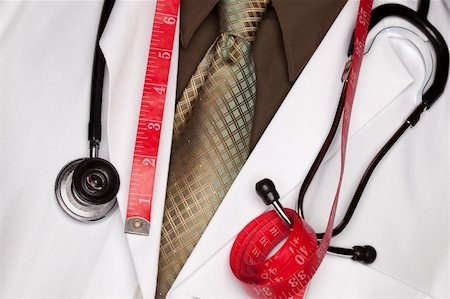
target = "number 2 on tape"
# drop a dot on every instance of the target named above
(150, 118)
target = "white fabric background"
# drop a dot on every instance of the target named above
(46, 54)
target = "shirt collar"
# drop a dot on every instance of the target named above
(300, 37)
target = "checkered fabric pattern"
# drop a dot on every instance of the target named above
(213, 121)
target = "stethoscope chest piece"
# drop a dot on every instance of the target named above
(86, 189)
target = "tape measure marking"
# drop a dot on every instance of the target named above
(287, 273)
(148, 134)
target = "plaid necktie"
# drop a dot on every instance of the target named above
(213, 121)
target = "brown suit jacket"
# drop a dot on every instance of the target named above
(288, 35)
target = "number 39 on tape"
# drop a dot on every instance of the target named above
(150, 118)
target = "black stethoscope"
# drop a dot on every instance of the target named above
(86, 188)
(266, 189)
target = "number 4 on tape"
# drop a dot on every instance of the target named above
(150, 118)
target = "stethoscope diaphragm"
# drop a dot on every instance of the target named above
(99, 182)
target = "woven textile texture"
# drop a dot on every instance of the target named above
(212, 126)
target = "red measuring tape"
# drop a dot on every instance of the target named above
(150, 118)
(287, 273)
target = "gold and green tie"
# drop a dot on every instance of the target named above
(212, 126)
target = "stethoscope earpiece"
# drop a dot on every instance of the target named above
(365, 254)
(269, 194)
(86, 189)
(265, 188)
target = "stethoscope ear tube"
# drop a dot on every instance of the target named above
(367, 254)
(420, 22)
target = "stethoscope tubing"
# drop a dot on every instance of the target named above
(428, 99)
(86, 188)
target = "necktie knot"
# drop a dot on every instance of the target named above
(232, 49)
(241, 17)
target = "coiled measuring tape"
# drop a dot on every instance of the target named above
(150, 118)
(287, 273)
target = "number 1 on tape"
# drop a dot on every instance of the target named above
(150, 118)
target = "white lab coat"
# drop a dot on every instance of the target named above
(403, 212)
(46, 54)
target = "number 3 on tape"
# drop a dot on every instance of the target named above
(150, 118)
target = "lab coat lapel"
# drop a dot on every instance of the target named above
(125, 45)
(290, 144)
(46, 60)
